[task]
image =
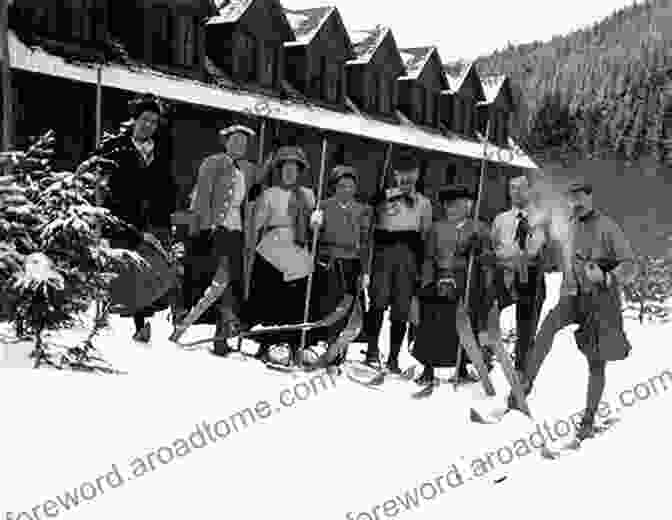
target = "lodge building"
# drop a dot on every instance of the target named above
(302, 72)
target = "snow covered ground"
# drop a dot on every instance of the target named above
(341, 452)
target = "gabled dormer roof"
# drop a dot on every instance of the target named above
(417, 59)
(461, 80)
(235, 11)
(366, 42)
(230, 11)
(306, 23)
(495, 87)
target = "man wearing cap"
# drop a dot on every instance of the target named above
(519, 249)
(404, 217)
(601, 261)
(343, 251)
(216, 245)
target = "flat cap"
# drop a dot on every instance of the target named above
(580, 185)
(456, 191)
(237, 128)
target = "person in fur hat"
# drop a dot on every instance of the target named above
(284, 216)
(215, 247)
(404, 218)
(444, 276)
(343, 250)
(600, 262)
(131, 194)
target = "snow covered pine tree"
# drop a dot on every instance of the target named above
(53, 263)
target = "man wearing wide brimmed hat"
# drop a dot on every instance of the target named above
(216, 244)
(444, 278)
(404, 217)
(343, 249)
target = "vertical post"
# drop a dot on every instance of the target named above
(6, 81)
(99, 123)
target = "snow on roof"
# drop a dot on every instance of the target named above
(491, 87)
(366, 42)
(306, 23)
(415, 60)
(185, 90)
(455, 81)
(229, 12)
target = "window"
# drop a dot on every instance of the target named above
(163, 36)
(332, 80)
(383, 94)
(373, 89)
(447, 110)
(457, 114)
(247, 58)
(267, 59)
(420, 103)
(187, 45)
(468, 113)
(430, 107)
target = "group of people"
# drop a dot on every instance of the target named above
(406, 259)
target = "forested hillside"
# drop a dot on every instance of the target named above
(602, 91)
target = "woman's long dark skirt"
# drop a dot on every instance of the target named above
(436, 339)
(273, 301)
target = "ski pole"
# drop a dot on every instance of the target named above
(472, 256)
(313, 249)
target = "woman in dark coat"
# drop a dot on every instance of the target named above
(444, 277)
(141, 192)
(283, 215)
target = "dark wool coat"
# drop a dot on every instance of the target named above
(143, 196)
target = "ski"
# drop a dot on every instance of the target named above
(576, 444)
(338, 348)
(338, 314)
(471, 346)
(504, 360)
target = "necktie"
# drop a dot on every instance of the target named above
(522, 230)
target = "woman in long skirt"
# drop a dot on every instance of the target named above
(444, 283)
(283, 216)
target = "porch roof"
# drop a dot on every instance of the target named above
(142, 79)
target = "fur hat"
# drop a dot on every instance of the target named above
(289, 153)
(145, 103)
(456, 191)
(237, 128)
(341, 171)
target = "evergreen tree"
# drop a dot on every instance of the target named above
(53, 262)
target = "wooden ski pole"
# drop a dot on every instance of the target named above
(472, 256)
(249, 210)
(6, 86)
(313, 248)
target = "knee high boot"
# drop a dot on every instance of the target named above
(397, 333)
(374, 322)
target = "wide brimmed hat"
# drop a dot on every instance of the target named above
(289, 153)
(341, 171)
(407, 160)
(456, 191)
(237, 128)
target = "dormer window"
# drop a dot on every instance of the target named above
(246, 57)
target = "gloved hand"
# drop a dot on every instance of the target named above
(594, 273)
(365, 281)
(317, 219)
